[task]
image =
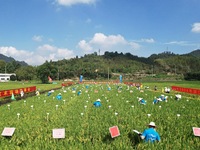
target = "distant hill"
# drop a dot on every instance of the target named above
(10, 59)
(195, 53)
(163, 55)
(111, 64)
(94, 66)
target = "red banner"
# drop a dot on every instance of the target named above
(67, 83)
(132, 84)
(5, 93)
(186, 90)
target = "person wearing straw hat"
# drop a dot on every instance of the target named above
(97, 103)
(178, 96)
(37, 93)
(162, 97)
(150, 134)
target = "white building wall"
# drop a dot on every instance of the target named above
(4, 77)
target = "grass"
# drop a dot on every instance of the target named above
(15, 85)
(88, 127)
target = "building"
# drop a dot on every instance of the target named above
(4, 77)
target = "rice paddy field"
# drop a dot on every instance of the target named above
(87, 127)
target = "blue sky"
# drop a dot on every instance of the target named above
(38, 30)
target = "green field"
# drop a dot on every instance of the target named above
(87, 127)
(15, 85)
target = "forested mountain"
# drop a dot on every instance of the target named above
(93, 66)
(10, 59)
(111, 65)
(195, 53)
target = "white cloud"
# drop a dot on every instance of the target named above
(151, 40)
(106, 43)
(145, 40)
(100, 38)
(46, 47)
(38, 57)
(49, 52)
(196, 27)
(74, 2)
(181, 43)
(37, 38)
(134, 45)
(85, 46)
(13, 52)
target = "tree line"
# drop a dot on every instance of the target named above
(109, 65)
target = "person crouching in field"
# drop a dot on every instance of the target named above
(142, 101)
(155, 88)
(59, 96)
(22, 93)
(150, 134)
(178, 96)
(97, 103)
(37, 93)
(156, 100)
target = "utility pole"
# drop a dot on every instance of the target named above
(5, 68)
(58, 75)
(99, 52)
(108, 73)
(175, 69)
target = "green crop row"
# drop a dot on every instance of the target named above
(87, 127)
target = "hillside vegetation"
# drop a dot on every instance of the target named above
(165, 65)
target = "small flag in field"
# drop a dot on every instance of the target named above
(114, 131)
(8, 131)
(49, 78)
(13, 97)
(196, 131)
(59, 133)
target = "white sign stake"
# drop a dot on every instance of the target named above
(8, 107)
(148, 115)
(47, 116)
(18, 114)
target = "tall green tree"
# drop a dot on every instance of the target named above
(26, 73)
(45, 70)
(2, 66)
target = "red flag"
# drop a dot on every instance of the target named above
(49, 78)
